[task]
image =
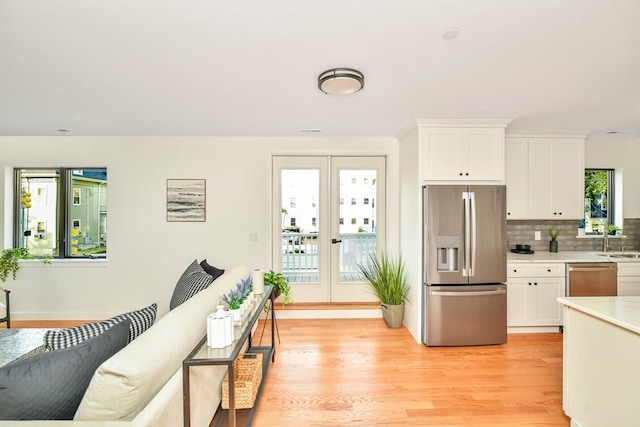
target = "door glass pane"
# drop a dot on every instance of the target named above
(300, 225)
(358, 234)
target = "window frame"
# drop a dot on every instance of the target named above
(64, 201)
(610, 203)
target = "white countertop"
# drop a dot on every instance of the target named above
(620, 311)
(566, 256)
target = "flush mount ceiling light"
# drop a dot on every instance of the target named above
(340, 81)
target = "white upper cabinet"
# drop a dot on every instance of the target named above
(461, 153)
(517, 169)
(545, 181)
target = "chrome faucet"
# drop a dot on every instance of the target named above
(605, 236)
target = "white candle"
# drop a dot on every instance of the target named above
(258, 282)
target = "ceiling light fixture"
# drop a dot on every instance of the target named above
(341, 81)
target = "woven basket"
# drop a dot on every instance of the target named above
(248, 375)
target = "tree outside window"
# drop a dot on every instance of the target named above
(598, 200)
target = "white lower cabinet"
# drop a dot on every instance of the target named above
(628, 279)
(532, 292)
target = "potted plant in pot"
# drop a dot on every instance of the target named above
(280, 286)
(553, 243)
(388, 281)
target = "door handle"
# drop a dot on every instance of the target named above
(336, 240)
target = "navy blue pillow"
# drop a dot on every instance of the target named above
(50, 385)
(211, 270)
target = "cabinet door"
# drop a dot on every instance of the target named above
(548, 311)
(516, 177)
(518, 302)
(483, 154)
(628, 286)
(540, 179)
(568, 186)
(442, 154)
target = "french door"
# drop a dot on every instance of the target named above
(329, 216)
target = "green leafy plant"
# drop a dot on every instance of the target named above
(387, 278)
(613, 229)
(280, 284)
(9, 262)
(553, 234)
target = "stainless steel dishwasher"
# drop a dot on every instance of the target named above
(592, 279)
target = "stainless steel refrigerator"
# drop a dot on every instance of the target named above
(465, 265)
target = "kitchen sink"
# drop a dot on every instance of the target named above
(620, 254)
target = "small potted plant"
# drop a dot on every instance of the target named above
(613, 230)
(388, 281)
(553, 243)
(280, 285)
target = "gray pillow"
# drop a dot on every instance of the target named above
(193, 280)
(50, 385)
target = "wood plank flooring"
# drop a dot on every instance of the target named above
(358, 372)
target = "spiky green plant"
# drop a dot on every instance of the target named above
(386, 277)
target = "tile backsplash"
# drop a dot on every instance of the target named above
(523, 232)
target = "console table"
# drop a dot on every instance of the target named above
(203, 355)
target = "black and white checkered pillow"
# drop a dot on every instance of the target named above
(141, 320)
(193, 280)
(64, 338)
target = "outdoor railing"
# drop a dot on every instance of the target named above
(300, 254)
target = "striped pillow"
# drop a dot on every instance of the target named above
(193, 280)
(141, 320)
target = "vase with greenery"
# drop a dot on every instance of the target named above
(387, 280)
(280, 285)
(553, 235)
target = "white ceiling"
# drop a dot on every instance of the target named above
(250, 67)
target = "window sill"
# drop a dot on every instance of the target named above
(65, 262)
(598, 236)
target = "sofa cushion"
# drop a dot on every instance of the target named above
(125, 384)
(193, 280)
(141, 320)
(50, 385)
(211, 270)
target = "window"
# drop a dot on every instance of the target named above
(314, 222)
(353, 201)
(599, 200)
(342, 200)
(365, 221)
(353, 221)
(366, 201)
(292, 222)
(341, 221)
(61, 213)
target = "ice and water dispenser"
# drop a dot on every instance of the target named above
(447, 249)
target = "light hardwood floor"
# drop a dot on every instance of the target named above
(358, 372)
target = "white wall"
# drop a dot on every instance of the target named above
(146, 253)
(622, 154)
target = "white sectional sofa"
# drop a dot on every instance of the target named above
(141, 385)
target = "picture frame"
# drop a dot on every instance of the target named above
(186, 200)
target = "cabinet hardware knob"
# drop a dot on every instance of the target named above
(535, 283)
(467, 174)
(460, 173)
(549, 270)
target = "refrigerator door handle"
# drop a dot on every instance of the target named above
(467, 235)
(468, 293)
(474, 234)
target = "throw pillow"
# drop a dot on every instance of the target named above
(211, 270)
(63, 338)
(193, 280)
(141, 320)
(50, 385)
